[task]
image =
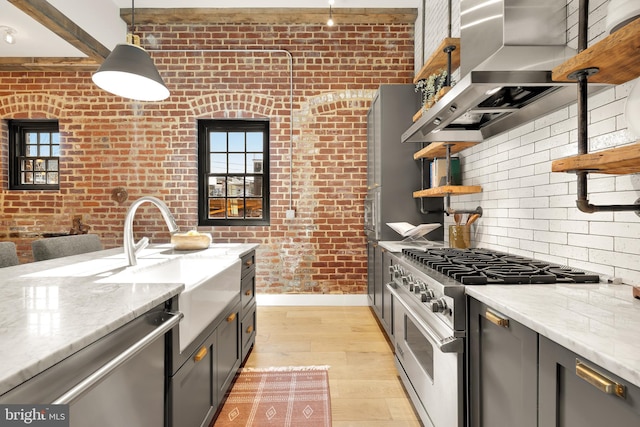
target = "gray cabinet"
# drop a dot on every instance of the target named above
(228, 352)
(392, 173)
(248, 304)
(379, 261)
(503, 372)
(575, 392)
(198, 386)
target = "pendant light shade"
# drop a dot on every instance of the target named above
(129, 72)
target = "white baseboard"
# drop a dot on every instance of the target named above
(338, 300)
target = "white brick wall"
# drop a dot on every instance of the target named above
(530, 211)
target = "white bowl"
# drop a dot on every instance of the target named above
(620, 13)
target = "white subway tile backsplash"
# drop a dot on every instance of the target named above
(521, 213)
(535, 224)
(534, 246)
(569, 252)
(534, 202)
(591, 241)
(518, 233)
(623, 229)
(564, 201)
(567, 226)
(550, 237)
(550, 213)
(535, 158)
(551, 189)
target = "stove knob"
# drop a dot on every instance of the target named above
(419, 287)
(427, 295)
(408, 280)
(393, 269)
(438, 305)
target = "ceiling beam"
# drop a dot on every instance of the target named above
(47, 15)
(342, 16)
(47, 64)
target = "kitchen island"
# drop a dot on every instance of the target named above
(51, 310)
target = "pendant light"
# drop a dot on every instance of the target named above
(129, 71)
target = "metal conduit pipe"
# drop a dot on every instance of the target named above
(582, 77)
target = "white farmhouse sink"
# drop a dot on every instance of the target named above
(210, 284)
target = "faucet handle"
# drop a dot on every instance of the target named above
(142, 243)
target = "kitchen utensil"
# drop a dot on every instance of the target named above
(457, 218)
(472, 219)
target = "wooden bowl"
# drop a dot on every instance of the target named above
(189, 242)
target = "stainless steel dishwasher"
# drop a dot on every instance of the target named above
(119, 380)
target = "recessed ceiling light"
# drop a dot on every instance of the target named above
(8, 34)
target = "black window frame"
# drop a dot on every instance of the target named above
(205, 127)
(18, 147)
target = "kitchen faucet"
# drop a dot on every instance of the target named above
(130, 247)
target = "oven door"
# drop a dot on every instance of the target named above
(430, 364)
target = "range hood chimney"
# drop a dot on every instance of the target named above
(507, 51)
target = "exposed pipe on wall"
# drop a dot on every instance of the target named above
(582, 77)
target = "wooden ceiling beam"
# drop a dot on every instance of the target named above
(341, 16)
(47, 15)
(47, 64)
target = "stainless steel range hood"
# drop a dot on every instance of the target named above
(508, 49)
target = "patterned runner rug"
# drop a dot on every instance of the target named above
(278, 397)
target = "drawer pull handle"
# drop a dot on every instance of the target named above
(250, 329)
(200, 354)
(249, 263)
(497, 320)
(599, 381)
(248, 293)
(231, 317)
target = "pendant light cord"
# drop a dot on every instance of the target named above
(133, 16)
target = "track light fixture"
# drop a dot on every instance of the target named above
(129, 71)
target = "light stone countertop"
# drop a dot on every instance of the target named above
(600, 322)
(52, 309)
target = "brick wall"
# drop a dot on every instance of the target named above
(150, 148)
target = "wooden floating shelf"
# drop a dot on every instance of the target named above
(438, 59)
(443, 190)
(619, 161)
(616, 56)
(435, 99)
(439, 149)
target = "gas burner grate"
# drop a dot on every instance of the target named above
(487, 267)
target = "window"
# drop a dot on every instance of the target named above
(34, 151)
(233, 170)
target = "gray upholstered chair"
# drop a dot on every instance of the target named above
(57, 247)
(8, 254)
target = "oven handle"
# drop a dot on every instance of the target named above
(449, 344)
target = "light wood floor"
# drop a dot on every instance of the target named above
(364, 385)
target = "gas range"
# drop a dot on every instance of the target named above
(435, 277)
(487, 267)
(429, 317)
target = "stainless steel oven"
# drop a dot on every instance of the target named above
(429, 318)
(429, 351)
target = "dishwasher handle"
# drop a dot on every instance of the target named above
(114, 363)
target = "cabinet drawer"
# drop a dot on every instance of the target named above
(248, 263)
(248, 330)
(248, 290)
(191, 389)
(575, 392)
